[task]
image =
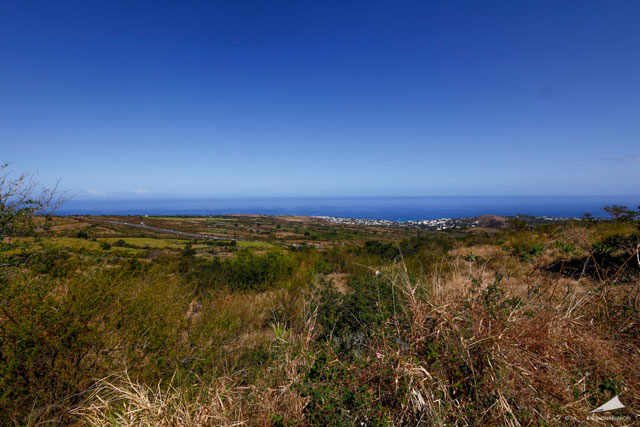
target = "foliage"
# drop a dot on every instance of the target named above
(21, 198)
(518, 224)
(349, 321)
(622, 213)
(565, 248)
(49, 341)
(423, 330)
(525, 247)
(247, 271)
(336, 397)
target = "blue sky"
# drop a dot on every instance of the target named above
(123, 99)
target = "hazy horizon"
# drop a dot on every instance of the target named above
(386, 208)
(115, 197)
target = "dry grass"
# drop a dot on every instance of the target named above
(538, 361)
(125, 402)
(226, 401)
(537, 358)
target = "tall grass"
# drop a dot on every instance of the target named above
(461, 345)
(520, 328)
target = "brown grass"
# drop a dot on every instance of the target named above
(539, 361)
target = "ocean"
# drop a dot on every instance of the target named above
(389, 208)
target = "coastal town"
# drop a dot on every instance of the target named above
(440, 224)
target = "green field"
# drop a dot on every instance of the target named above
(256, 244)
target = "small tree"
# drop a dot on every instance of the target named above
(22, 197)
(621, 213)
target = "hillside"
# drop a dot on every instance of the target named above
(306, 321)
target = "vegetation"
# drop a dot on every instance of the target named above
(520, 325)
(20, 198)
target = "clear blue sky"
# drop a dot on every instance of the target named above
(317, 98)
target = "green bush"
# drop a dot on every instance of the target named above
(350, 321)
(565, 248)
(82, 234)
(50, 342)
(247, 271)
(337, 397)
(525, 247)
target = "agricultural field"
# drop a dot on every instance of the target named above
(301, 321)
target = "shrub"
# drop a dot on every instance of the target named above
(565, 248)
(518, 224)
(525, 247)
(247, 271)
(337, 397)
(188, 251)
(21, 198)
(350, 320)
(49, 344)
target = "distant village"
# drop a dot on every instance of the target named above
(443, 223)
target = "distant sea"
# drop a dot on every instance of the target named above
(390, 208)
